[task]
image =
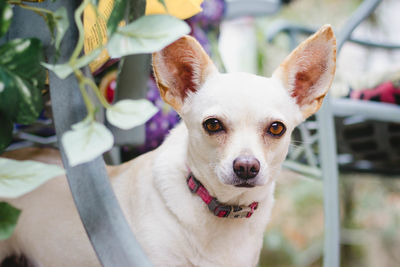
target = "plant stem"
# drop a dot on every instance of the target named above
(96, 90)
(40, 11)
(83, 81)
(88, 103)
(79, 25)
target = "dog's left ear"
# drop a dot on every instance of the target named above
(181, 68)
(307, 73)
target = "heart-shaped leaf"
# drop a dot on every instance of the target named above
(22, 78)
(8, 220)
(58, 23)
(20, 177)
(126, 114)
(62, 24)
(64, 70)
(86, 141)
(146, 35)
(5, 17)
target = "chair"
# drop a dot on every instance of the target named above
(107, 228)
(105, 225)
(322, 132)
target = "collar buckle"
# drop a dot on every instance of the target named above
(218, 209)
(193, 184)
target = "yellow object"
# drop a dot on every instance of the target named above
(182, 9)
(97, 31)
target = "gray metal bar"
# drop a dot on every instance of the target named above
(132, 84)
(327, 149)
(362, 12)
(327, 143)
(98, 207)
(239, 8)
(367, 109)
(290, 28)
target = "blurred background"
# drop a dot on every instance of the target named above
(369, 178)
(255, 36)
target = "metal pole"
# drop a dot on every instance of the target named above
(327, 143)
(101, 215)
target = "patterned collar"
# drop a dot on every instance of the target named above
(218, 209)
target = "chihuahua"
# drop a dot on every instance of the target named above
(204, 197)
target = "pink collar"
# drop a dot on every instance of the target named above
(217, 208)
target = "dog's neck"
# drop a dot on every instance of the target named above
(176, 166)
(227, 194)
(215, 206)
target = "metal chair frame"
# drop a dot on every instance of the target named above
(325, 128)
(106, 226)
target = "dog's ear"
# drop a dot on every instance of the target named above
(307, 73)
(181, 68)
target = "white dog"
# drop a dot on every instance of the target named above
(204, 197)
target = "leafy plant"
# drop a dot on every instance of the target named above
(23, 75)
(144, 35)
(9, 217)
(16, 179)
(21, 78)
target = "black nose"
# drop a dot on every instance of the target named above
(246, 167)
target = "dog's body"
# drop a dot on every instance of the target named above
(234, 136)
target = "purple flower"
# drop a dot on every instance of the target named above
(161, 123)
(213, 11)
(201, 36)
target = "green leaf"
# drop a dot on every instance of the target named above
(62, 24)
(5, 131)
(64, 70)
(22, 78)
(86, 141)
(163, 3)
(61, 70)
(5, 17)
(126, 114)
(8, 220)
(58, 23)
(148, 34)
(51, 24)
(116, 16)
(20, 177)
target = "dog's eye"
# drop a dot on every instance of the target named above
(213, 125)
(276, 129)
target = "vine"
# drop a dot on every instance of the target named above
(23, 76)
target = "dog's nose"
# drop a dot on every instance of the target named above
(246, 167)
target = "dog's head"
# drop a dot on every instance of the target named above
(239, 124)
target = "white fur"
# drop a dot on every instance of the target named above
(174, 226)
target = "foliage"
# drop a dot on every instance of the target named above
(9, 216)
(23, 75)
(146, 35)
(21, 78)
(20, 177)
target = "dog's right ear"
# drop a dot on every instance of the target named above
(307, 73)
(181, 68)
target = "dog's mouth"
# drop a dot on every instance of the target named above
(246, 185)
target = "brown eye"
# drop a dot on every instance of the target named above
(276, 129)
(213, 125)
